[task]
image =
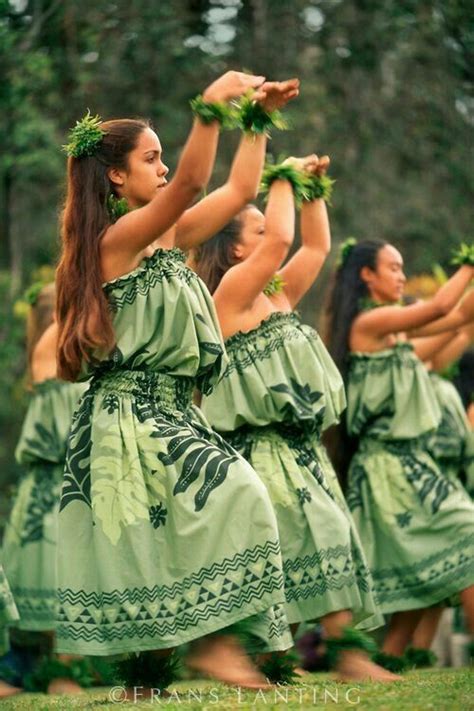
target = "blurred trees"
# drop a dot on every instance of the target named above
(386, 91)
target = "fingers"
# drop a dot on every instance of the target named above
(323, 165)
(249, 81)
(259, 95)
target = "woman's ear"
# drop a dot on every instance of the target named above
(366, 274)
(237, 251)
(116, 176)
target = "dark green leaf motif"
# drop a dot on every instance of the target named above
(428, 483)
(302, 397)
(158, 515)
(111, 403)
(77, 476)
(403, 519)
(199, 457)
(358, 478)
(304, 495)
(43, 436)
(43, 498)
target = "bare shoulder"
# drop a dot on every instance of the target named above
(43, 362)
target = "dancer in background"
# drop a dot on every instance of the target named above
(279, 391)
(8, 616)
(31, 533)
(152, 545)
(416, 527)
(449, 446)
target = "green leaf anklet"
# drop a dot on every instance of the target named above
(351, 640)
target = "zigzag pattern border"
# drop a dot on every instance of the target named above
(426, 586)
(432, 560)
(251, 555)
(132, 628)
(139, 283)
(310, 561)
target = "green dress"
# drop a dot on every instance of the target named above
(279, 391)
(167, 534)
(416, 524)
(8, 611)
(29, 545)
(449, 445)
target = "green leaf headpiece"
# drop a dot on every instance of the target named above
(345, 249)
(84, 137)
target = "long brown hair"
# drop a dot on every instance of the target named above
(216, 256)
(82, 311)
(40, 317)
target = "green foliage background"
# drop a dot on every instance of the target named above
(387, 91)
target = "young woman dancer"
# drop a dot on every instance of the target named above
(417, 528)
(278, 393)
(153, 553)
(30, 541)
(449, 447)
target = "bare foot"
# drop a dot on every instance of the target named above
(64, 686)
(222, 658)
(300, 672)
(7, 690)
(356, 666)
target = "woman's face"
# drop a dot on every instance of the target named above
(387, 282)
(146, 171)
(251, 233)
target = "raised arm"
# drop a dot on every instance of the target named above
(302, 269)
(428, 348)
(392, 319)
(244, 282)
(454, 349)
(133, 232)
(460, 316)
(210, 214)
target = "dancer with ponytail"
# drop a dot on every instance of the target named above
(279, 391)
(417, 528)
(31, 533)
(153, 553)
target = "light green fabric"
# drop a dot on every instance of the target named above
(29, 544)
(8, 611)
(390, 396)
(448, 445)
(153, 550)
(469, 463)
(278, 372)
(282, 388)
(416, 525)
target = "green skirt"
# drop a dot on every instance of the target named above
(29, 546)
(8, 611)
(323, 561)
(166, 533)
(416, 524)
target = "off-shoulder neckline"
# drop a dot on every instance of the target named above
(159, 252)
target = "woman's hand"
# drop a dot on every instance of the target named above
(233, 84)
(278, 93)
(309, 164)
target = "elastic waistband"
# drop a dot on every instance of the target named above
(170, 391)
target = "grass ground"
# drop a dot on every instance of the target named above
(427, 690)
